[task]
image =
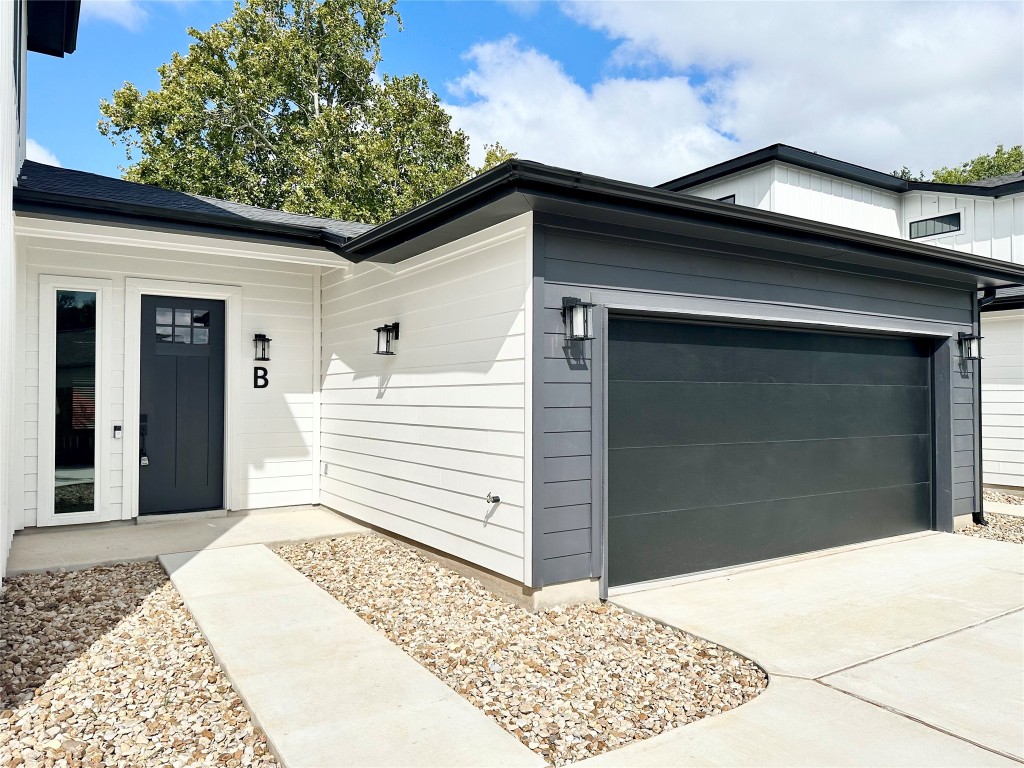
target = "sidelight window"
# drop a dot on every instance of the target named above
(75, 402)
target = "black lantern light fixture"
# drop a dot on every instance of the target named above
(261, 346)
(385, 335)
(970, 346)
(578, 316)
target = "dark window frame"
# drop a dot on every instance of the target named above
(949, 215)
(728, 199)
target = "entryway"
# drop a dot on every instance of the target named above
(181, 404)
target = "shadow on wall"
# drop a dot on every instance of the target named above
(47, 620)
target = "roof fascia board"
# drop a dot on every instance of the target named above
(32, 201)
(190, 240)
(533, 179)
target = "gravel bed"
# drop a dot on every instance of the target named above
(1000, 528)
(105, 667)
(1003, 498)
(569, 683)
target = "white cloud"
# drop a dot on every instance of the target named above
(924, 84)
(639, 130)
(126, 13)
(36, 151)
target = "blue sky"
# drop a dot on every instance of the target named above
(635, 90)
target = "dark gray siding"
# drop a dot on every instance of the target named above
(577, 263)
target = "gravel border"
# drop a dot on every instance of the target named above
(105, 667)
(1003, 498)
(1000, 528)
(569, 683)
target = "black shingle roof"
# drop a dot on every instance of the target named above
(40, 184)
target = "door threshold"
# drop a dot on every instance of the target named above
(177, 517)
(672, 581)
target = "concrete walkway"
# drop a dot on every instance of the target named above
(328, 689)
(73, 547)
(1002, 508)
(901, 652)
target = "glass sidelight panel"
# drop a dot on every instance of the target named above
(75, 422)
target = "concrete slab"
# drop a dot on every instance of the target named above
(328, 689)
(802, 723)
(73, 547)
(970, 683)
(819, 615)
(1002, 508)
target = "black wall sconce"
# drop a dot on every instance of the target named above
(970, 346)
(385, 335)
(261, 345)
(578, 317)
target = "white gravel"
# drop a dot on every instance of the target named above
(1003, 498)
(569, 683)
(1000, 528)
(105, 667)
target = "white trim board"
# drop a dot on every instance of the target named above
(45, 480)
(231, 295)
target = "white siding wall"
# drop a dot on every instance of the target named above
(991, 227)
(11, 151)
(414, 442)
(274, 454)
(752, 188)
(817, 196)
(1002, 398)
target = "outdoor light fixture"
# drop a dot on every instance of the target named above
(385, 335)
(970, 346)
(261, 344)
(578, 317)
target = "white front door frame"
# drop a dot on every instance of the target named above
(45, 472)
(231, 295)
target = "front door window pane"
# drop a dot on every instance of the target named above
(75, 432)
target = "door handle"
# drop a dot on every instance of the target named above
(143, 429)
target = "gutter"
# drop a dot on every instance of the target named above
(33, 201)
(526, 177)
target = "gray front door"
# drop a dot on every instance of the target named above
(181, 405)
(729, 445)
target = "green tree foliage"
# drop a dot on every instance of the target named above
(278, 106)
(1000, 162)
(496, 155)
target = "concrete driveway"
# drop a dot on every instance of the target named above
(906, 651)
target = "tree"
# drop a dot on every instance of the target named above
(279, 106)
(496, 155)
(1000, 162)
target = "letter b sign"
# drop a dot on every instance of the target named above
(260, 377)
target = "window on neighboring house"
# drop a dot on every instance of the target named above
(937, 225)
(728, 199)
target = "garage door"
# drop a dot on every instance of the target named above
(731, 444)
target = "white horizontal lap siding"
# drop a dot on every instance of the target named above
(830, 199)
(272, 461)
(1002, 398)
(414, 442)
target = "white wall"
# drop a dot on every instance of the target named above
(992, 227)
(11, 151)
(752, 188)
(414, 442)
(274, 454)
(1002, 397)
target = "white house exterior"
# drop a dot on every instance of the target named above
(990, 223)
(733, 384)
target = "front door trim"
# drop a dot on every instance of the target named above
(231, 295)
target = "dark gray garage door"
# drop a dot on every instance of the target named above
(729, 445)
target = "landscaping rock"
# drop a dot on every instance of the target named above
(106, 667)
(569, 683)
(1003, 498)
(1000, 528)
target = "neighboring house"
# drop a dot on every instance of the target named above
(985, 218)
(584, 383)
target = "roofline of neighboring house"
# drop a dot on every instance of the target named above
(534, 178)
(812, 161)
(52, 203)
(53, 26)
